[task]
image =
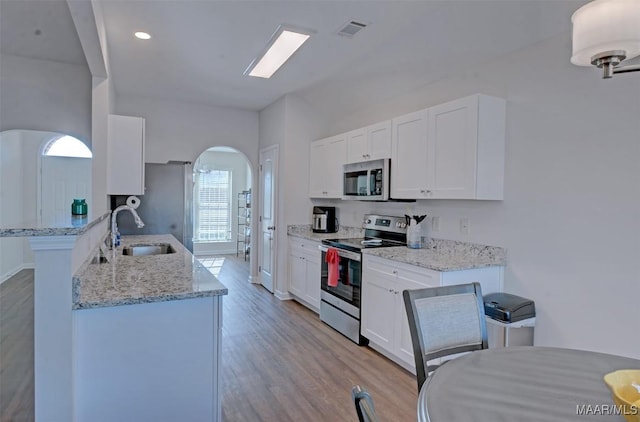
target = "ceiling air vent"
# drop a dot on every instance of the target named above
(351, 28)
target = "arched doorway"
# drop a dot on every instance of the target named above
(65, 175)
(222, 205)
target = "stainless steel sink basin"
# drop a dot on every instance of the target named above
(100, 259)
(144, 250)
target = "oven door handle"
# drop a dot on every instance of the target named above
(342, 253)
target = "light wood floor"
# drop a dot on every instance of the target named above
(279, 361)
(16, 348)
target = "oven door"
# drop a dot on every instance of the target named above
(349, 276)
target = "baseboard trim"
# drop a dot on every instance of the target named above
(6, 276)
(282, 295)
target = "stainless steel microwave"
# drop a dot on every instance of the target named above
(366, 180)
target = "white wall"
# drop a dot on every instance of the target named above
(239, 166)
(292, 124)
(182, 131)
(45, 95)
(11, 206)
(569, 219)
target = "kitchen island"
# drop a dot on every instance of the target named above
(146, 336)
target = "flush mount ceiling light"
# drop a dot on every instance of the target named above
(283, 43)
(142, 35)
(606, 32)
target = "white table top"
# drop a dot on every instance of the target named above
(523, 384)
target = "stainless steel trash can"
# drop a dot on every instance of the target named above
(510, 320)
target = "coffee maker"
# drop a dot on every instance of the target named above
(324, 220)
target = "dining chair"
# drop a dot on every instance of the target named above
(444, 321)
(364, 404)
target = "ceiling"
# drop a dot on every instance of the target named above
(200, 48)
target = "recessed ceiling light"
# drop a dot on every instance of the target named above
(283, 43)
(142, 35)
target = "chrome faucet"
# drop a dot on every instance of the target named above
(114, 225)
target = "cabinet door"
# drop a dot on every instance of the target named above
(335, 159)
(378, 302)
(312, 289)
(408, 281)
(297, 273)
(409, 156)
(317, 168)
(453, 138)
(357, 149)
(125, 155)
(379, 140)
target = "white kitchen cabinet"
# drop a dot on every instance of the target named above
(369, 143)
(326, 158)
(384, 319)
(467, 137)
(304, 272)
(456, 153)
(409, 156)
(125, 155)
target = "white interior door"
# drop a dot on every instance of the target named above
(268, 212)
(63, 179)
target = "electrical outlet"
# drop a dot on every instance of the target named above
(435, 224)
(464, 226)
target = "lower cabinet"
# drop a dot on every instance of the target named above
(304, 272)
(384, 319)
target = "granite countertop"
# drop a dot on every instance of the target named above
(130, 280)
(304, 231)
(71, 225)
(445, 255)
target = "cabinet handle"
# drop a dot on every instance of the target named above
(395, 272)
(390, 290)
(396, 292)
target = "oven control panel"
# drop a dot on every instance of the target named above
(385, 223)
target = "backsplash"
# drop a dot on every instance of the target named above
(343, 231)
(454, 247)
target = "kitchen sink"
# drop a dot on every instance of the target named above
(145, 250)
(99, 259)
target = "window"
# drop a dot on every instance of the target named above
(67, 146)
(213, 192)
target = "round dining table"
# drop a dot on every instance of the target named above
(523, 384)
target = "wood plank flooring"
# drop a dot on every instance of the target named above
(279, 361)
(16, 348)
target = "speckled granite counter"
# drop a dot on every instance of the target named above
(142, 279)
(304, 231)
(445, 255)
(71, 226)
(440, 255)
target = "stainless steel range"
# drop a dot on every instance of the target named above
(340, 299)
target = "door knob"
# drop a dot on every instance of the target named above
(271, 227)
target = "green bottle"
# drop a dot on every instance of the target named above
(79, 207)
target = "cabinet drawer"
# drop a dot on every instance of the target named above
(307, 245)
(401, 271)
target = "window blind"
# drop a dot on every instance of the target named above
(214, 206)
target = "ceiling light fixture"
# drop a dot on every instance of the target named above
(606, 32)
(283, 43)
(142, 35)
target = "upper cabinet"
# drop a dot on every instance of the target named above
(450, 151)
(326, 158)
(409, 153)
(125, 155)
(369, 143)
